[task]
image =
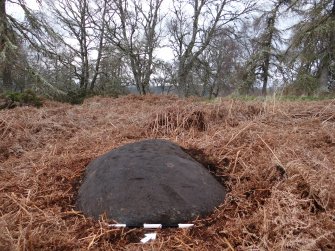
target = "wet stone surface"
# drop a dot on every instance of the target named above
(150, 181)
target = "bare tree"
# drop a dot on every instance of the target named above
(163, 78)
(7, 47)
(134, 29)
(222, 60)
(112, 80)
(84, 23)
(191, 33)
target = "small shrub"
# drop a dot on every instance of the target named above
(305, 84)
(30, 97)
(76, 97)
(13, 99)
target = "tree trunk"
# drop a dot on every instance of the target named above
(7, 77)
(323, 79)
(144, 91)
(267, 49)
(182, 83)
(324, 72)
(266, 73)
(5, 63)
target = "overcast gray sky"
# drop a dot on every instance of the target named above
(165, 53)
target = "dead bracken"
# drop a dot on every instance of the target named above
(277, 160)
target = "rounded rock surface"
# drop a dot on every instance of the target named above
(150, 181)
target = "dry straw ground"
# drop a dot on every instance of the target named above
(277, 159)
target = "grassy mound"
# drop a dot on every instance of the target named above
(277, 158)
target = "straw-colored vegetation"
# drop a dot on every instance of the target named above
(276, 158)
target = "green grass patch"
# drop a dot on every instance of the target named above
(13, 99)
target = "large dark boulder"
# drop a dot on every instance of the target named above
(151, 181)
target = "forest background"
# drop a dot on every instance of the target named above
(69, 49)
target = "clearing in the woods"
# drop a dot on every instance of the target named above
(276, 158)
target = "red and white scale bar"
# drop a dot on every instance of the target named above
(150, 236)
(151, 226)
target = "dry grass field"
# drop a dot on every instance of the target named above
(276, 158)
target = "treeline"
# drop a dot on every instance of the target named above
(71, 48)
